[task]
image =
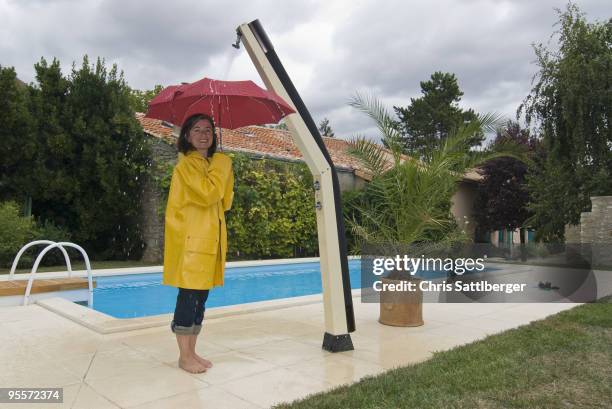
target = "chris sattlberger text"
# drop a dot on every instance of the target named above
(459, 286)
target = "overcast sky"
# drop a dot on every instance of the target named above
(331, 49)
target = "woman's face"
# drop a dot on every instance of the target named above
(201, 136)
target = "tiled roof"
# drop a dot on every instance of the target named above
(154, 127)
(274, 143)
(268, 142)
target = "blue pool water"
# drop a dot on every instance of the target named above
(139, 295)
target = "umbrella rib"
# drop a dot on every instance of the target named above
(266, 106)
(229, 113)
(195, 102)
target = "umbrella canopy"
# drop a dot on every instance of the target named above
(231, 104)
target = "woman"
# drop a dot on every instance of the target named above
(195, 235)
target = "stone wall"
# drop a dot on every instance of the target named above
(153, 220)
(595, 231)
(348, 181)
(595, 226)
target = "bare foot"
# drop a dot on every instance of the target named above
(191, 365)
(207, 364)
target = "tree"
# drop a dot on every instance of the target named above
(325, 129)
(54, 179)
(570, 105)
(502, 198)
(18, 136)
(72, 145)
(412, 198)
(111, 160)
(139, 100)
(87, 158)
(431, 117)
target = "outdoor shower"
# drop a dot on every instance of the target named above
(337, 299)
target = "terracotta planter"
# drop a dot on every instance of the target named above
(401, 308)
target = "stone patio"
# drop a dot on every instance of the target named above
(260, 358)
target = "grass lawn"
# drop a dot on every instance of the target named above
(78, 264)
(562, 361)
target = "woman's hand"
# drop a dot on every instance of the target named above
(222, 159)
(207, 190)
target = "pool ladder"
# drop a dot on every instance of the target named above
(50, 246)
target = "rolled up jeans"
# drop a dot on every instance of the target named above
(189, 311)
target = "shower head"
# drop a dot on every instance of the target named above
(236, 45)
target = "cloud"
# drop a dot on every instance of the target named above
(331, 49)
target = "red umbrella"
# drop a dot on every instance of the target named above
(231, 104)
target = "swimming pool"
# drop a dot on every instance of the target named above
(139, 295)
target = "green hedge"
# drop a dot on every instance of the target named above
(16, 231)
(273, 212)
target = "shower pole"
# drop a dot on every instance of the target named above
(337, 298)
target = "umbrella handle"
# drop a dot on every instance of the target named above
(220, 131)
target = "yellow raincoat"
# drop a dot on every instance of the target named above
(195, 242)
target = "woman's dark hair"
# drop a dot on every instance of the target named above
(184, 145)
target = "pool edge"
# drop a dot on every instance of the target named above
(105, 324)
(159, 268)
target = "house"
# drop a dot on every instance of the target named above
(277, 144)
(509, 237)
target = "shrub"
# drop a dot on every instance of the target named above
(15, 231)
(49, 231)
(273, 210)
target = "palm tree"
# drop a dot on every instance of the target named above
(408, 201)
